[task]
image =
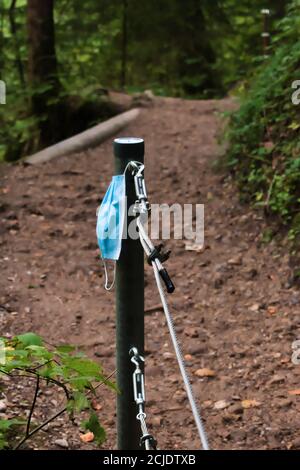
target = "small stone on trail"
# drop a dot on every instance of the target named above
(296, 444)
(236, 409)
(168, 355)
(221, 405)
(284, 403)
(276, 379)
(254, 308)
(236, 261)
(192, 246)
(229, 418)
(192, 332)
(218, 282)
(62, 443)
(3, 406)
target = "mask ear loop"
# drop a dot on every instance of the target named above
(107, 286)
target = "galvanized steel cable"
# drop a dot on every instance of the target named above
(148, 247)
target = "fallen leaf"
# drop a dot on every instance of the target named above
(272, 310)
(88, 437)
(294, 392)
(207, 403)
(157, 421)
(96, 406)
(188, 357)
(204, 373)
(285, 360)
(294, 126)
(246, 404)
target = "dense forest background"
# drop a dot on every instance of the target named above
(56, 56)
(61, 58)
(263, 137)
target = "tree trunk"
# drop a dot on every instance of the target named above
(42, 69)
(279, 10)
(124, 45)
(1, 40)
(197, 57)
(13, 29)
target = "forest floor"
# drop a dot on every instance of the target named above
(235, 312)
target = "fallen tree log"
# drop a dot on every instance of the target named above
(87, 139)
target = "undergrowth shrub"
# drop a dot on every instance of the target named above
(263, 134)
(79, 377)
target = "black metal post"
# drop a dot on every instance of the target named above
(129, 303)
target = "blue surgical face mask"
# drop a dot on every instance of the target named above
(110, 221)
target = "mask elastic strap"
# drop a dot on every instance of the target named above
(134, 164)
(107, 286)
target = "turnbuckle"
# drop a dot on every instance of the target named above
(147, 440)
(138, 378)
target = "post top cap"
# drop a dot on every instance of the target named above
(129, 140)
(129, 148)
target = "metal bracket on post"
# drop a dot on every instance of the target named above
(129, 301)
(141, 209)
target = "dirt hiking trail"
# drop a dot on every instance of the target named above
(234, 310)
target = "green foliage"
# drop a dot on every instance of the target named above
(193, 48)
(94, 426)
(74, 373)
(29, 339)
(264, 133)
(7, 426)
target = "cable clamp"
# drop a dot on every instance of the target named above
(157, 253)
(150, 439)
